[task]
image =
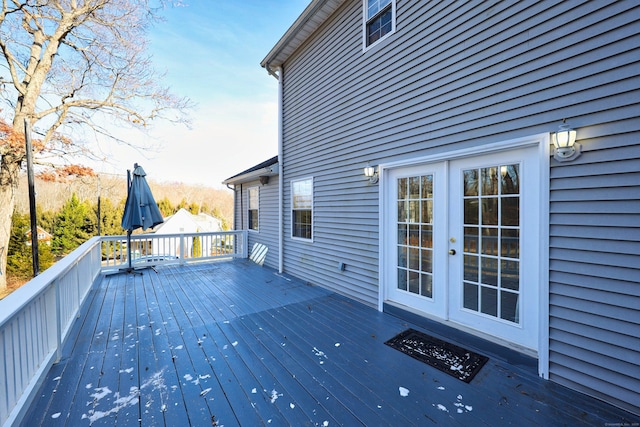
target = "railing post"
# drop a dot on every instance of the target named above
(78, 275)
(245, 244)
(182, 248)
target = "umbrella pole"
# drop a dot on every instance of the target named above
(129, 250)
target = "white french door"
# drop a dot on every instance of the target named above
(464, 235)
(415, 227)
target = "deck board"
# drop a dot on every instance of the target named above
(233, 343)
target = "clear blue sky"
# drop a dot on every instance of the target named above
(211, 52)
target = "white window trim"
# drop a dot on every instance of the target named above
(257, 188)
(365, 48)
(313, 232)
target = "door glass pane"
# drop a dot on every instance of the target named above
(510, 275)
(414, 211)
(489, 181)
(427, 236)
(427, 211)
(489, 211)
(491, 281)
(402, 211)
(510, 212)
(489, 271)
(414, 282)
(471, 241)
(402, 188)
(414, 187)
(510, 183)
(402, 256)
(510, 243)
(471, 271)
(471, 182)
(426, 261)
(415, 234)
(402, 279)
(509, 306)
(470, 296)
(489, 301)
(414, 259)
(471, 211)
(489, 240)
(402, 234)
(426, 285)
(427, 187)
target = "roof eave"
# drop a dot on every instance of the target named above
(271, 170)
(314, 15)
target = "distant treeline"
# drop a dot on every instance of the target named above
(52, 194)
(75, 222)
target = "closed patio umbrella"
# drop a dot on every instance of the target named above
(141, 209)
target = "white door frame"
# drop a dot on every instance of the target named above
(542, 141)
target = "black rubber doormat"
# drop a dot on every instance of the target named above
(451, 359)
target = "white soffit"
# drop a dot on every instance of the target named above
(307, 23)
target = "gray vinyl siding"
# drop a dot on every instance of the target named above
(267, 233)
(595, 268)
(238, 218)
(462, 74)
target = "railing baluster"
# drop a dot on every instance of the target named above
(56, 288)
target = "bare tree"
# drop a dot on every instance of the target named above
(65, 66)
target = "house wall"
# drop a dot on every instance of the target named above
(267, 216)
(462, 74)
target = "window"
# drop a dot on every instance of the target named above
(380, 20)
(302, 208)
(254, 203)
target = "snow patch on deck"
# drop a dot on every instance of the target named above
(156, 382)
(275, 395)
(441, 407)
(320, 354)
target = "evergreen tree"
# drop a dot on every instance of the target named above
(19, 256)
(216, 213)
(194, 208)
(75, 224)
(46, 219)
(196, 247)
(111, 217)
(166, 208)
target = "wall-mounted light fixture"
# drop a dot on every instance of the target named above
(564, 142)
(371, 173)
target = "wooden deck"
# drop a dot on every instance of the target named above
(231, 343)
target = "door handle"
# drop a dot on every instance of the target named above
(452, 251)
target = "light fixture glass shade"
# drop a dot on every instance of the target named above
(371, 173)
(564, 141)
(565, 137)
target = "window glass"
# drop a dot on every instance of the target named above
(415, 234)
(380, 19)
(492, 241)
(254, 203)
(374, 6)
(302, 209)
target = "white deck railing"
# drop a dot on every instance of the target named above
(35, 320)
(158, 249)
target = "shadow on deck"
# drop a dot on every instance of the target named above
(231, 343)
